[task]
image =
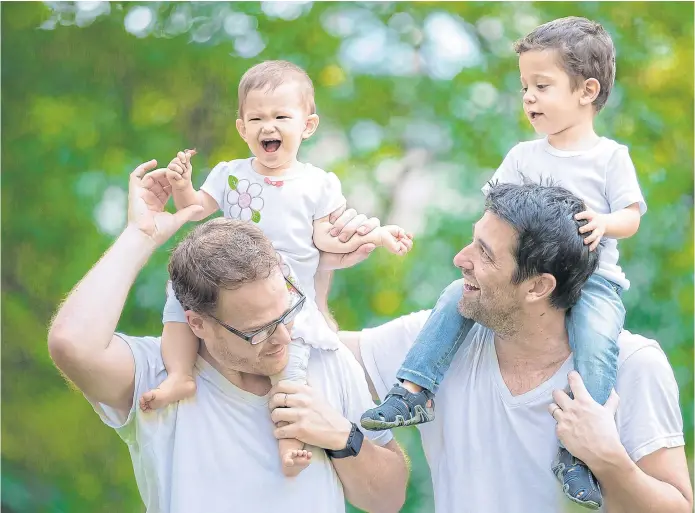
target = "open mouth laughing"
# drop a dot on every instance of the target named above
(271, 145)
(468, 286)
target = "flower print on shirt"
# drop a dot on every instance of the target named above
(244, 199)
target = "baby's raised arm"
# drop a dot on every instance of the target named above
(179, 172)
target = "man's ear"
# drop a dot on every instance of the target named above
(241, 128)
(196, 323)
(590, 91)
(312, 123)
(540, 287)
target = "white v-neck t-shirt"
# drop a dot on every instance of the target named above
(216, 453)
(490, 451)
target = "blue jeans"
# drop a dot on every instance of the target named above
(593, 325)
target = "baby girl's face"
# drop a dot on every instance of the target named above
(274, 123)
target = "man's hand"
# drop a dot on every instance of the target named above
(147, 196)
(586, 428)
(597, 224)
(309, 417)
(347, 222)
(179, 171)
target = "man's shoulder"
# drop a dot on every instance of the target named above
(630, 344)
(146, 348)
(641, 356)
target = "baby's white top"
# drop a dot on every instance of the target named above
(284, 207)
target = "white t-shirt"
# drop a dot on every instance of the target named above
(284, 212)
(216, 453)
(604, 177)
(491, 452)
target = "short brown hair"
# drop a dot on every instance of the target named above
(220, 253)
(586, 51)
(273, 74)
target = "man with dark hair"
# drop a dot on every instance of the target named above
(502, 405)
(215, 452)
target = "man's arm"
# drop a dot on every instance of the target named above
(375, 480)
(81, 339)
(659, 482)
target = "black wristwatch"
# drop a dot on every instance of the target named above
(353, 446)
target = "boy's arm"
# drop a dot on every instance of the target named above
(621, 224)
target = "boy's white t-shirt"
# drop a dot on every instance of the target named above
(285, 211)
(603, 176)
(216, 453)
(491, 452)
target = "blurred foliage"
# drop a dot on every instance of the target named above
(419, 103)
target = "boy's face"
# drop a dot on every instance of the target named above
(274, 124)
(549, 102)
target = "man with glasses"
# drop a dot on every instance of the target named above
(216, 452)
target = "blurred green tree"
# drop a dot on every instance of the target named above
(419, 103)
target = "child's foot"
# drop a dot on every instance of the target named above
(174, 388)
(293, 462)
(400, 408)
(578, 482)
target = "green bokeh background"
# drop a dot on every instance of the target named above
(419, 102)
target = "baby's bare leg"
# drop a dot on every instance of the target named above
(293, 457)
(179, 352)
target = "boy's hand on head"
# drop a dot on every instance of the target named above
(179, 170)
(395, 239)
(596, 224)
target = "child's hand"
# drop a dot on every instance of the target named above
(179, 171)
(596, 225)
(395, 240)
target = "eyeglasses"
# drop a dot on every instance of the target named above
(264, 333)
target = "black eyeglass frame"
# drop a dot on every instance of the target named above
(248, 337)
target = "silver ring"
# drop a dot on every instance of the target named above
(285, 400)
(553, 413)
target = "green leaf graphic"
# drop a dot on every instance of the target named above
(233, 182)
(255, 216)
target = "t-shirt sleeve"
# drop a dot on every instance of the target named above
(649, 417)
(383, 348)
(173, 311)
(216, 182)
(330, 196)
(149, 373)
(356, 398)
(622, 187)
(508, 172)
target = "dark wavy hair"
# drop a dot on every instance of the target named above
(548, 238)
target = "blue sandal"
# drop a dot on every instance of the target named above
(578, 482)
(400, 408)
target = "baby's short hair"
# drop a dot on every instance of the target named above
(585, 48)
(273, 74)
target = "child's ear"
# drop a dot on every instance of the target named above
(241, 128)
(312, 123)
(590, 91)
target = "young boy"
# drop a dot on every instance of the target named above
(291, 202)
(567, 72)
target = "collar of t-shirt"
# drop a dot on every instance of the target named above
(549, 148)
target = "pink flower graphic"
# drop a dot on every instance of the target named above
(245, 200)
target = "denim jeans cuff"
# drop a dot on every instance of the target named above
(418, 379)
